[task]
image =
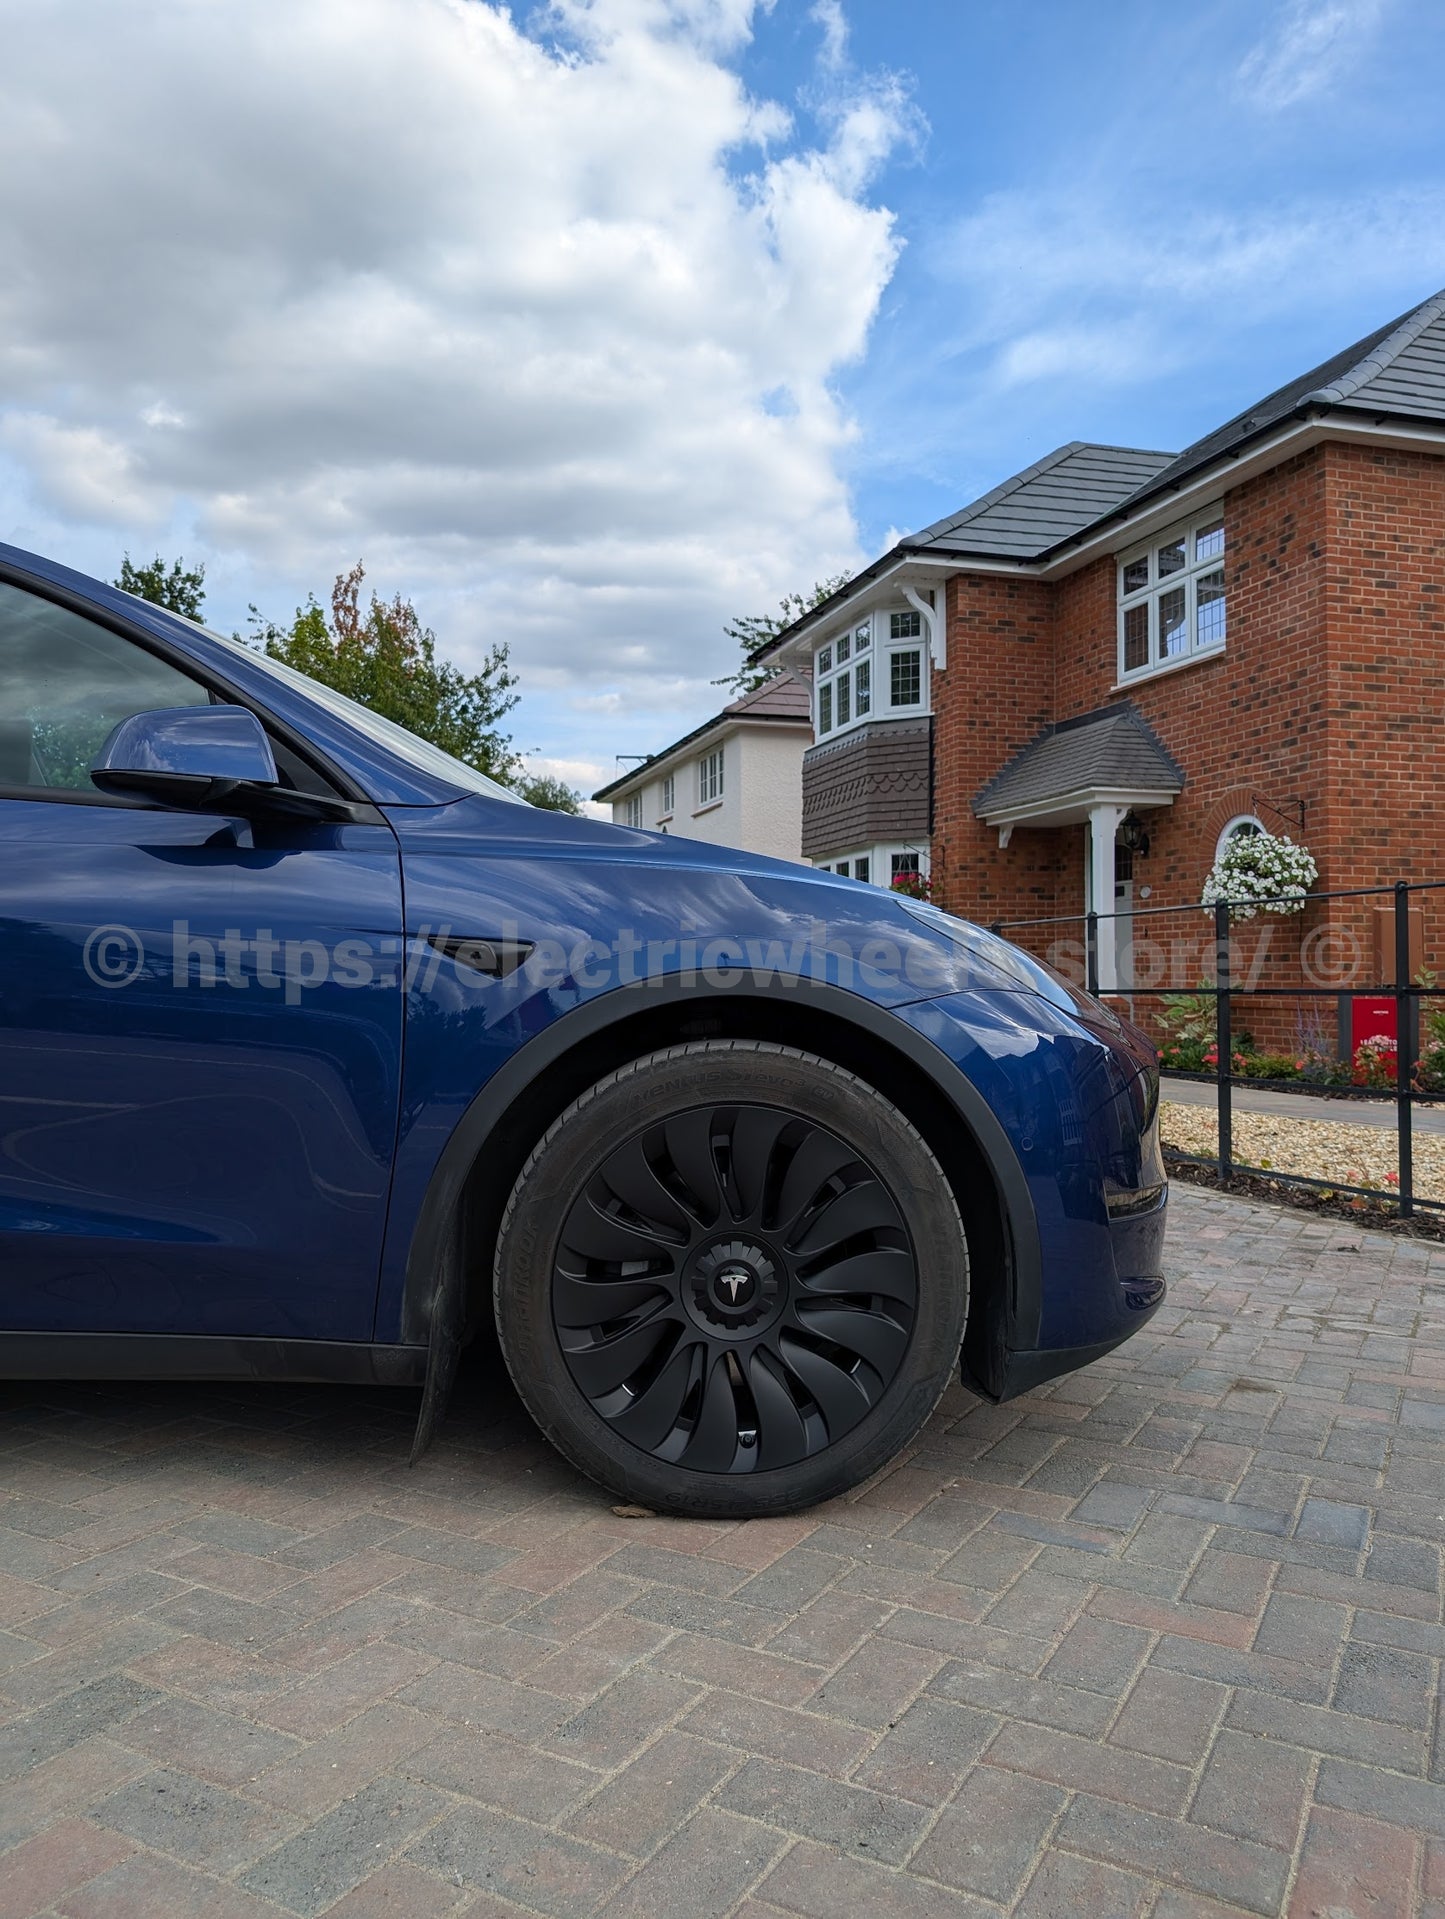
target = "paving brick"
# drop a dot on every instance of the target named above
(875, 1685)
(988, 1838)
(1380, 1682)
(848, 1817)
(1416, 1804)
(1284, 1678)
(1098, 1655)
(703, 1869)
(821, 1884)
(1083, 1765)
(1336, 1733)
(624, 1717)
(989, 1559)
(926, 1753)
(715, 1662)
(501, 1772)
(147, 1887)
(690, 1612)
(439, 1548)
(1169, 1716)
(192, 1820)
(1230, 1582)
(219, 1746)
(492, 1852)
(340, 1763)
(1067, 1887)
(639, 1806)
(43, 1869)
(1253, 1788)
(479, 1699)
(1234, 1871)
(38, 1735)
(1307, 1631)
(827, 1631)
(402, 1891)
(1043, 1702)
(778, 1732)
(1354, 1865)
(791, 1581)
(1333, 1524)
(1117, 1506)
(331, 1697)
(310, 1872)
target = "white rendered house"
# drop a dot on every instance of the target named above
(736, 780)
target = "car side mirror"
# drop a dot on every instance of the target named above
(196, 758)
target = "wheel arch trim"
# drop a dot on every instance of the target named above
(427, 1259)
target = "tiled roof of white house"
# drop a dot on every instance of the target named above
(786, 698)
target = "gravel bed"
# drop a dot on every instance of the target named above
(1319, 1148)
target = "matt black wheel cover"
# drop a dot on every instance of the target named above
(734, 1289)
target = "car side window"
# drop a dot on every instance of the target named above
(64, 683)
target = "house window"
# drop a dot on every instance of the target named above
(632, 810)
(1243, 827)
(1172, 598)
(843, 672)
(878, 865)
(669, 794)
(710, 777)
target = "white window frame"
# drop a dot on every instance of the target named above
(632, 810)
(1232, 827)
(669, 796)
(881, 646)
(1157, 585)
(710, 774)
(880, 862)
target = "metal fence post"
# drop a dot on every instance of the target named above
(1404, 1050)
(1091, 952)
(1223, 1041)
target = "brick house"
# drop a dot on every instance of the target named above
(1117, 650)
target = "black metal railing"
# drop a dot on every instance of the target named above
(1410, 989)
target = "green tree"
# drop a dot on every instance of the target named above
(753, 630)
(179, 590)
(383, 657)
(542, 789)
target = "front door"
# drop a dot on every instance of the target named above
(200, 1028)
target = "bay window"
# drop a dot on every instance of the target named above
(846, 689)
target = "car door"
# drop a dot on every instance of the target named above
(200, 1025)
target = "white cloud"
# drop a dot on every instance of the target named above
(545, 328)
(1079, 286)
(1311, 45)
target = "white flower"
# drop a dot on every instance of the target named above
(1261, 872)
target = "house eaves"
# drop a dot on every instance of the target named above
(724, 724)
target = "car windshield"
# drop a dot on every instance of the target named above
(396, 739)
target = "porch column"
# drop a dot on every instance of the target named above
(1104, 823)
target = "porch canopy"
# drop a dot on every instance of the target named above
(1090, 771)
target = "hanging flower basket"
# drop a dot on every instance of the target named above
(1261, 873)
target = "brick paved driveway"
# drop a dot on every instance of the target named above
(1164, 1640)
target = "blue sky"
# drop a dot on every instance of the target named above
(591, 326)
(1124, 221)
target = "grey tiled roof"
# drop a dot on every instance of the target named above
(1113, 748)
(1398, 370)
(1065, 491)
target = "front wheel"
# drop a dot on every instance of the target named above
(731, 1280)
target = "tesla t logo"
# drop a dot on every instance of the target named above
(734, 1282)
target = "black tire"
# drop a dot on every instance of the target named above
(768, 1309)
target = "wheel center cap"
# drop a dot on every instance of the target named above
(734, 1287)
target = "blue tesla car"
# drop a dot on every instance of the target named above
(321, 1056)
